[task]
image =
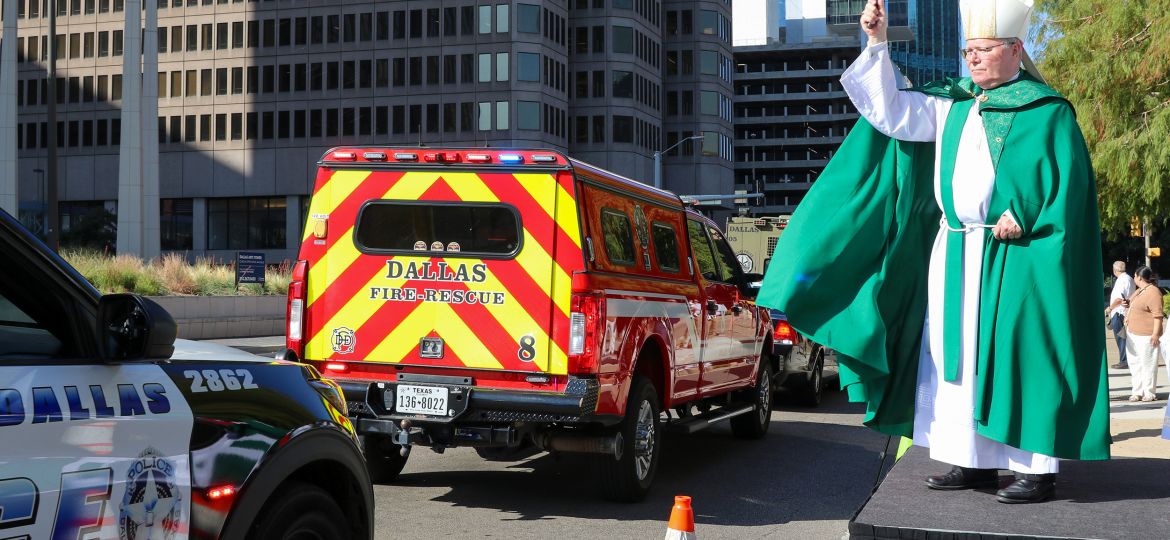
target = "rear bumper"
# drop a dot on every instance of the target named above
(476, 416)
(367, 400)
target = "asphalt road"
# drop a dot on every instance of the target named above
(804, 480)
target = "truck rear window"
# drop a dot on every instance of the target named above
(456, 229)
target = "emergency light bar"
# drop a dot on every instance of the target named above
(477, 156)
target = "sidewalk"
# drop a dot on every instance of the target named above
(1136, 427)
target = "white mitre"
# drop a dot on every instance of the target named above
(999, 19)
(989, 19)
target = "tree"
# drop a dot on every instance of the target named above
(1111, 58)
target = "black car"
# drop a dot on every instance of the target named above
(798, 363)
(108, 431)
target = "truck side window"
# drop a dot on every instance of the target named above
(665, 246)
(701, 248)
(619, 242)
(729, 268)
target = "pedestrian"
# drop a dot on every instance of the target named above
(965, 215)
(1144, 328)
(1123, 287)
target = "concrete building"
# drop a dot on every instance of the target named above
(791, 112)
(251, 93)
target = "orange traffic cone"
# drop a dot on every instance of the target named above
(682, 520)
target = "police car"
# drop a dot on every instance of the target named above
(104, 433)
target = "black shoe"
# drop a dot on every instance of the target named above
(964, 478)
(1028, 488)
(1120, 366)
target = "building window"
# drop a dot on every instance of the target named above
(485, 19)
(502, 18)
(175, 223)
(485, 116)
(246, 223)
(502, 66)
(623, 129)
(527, 115)
(623, 84)
(709, 103)
(485, 67)
(502, 115)
(528, 18)
(623, 40)
(528, 68)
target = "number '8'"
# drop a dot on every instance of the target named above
(527, 351)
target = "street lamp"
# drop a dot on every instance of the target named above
(658, 159)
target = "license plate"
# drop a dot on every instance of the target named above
(430, 400)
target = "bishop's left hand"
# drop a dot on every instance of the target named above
(1006, 228)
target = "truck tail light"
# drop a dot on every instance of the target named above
(586, 314)
(295, 311)
(784, 334)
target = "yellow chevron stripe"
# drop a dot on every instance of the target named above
(333, 193)
(354, 314)
(456, 335)
(470, 187)
(343, 252)
(567, 216)
(517, 322)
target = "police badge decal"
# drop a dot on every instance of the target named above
(152, 507)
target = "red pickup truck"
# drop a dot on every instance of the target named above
(512, 299)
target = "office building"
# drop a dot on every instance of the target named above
(251, 94)
(791, 112)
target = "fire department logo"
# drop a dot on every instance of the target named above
(643, 230)
(152, 507)
(343, 340)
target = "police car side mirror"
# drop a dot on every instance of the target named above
(131, 327)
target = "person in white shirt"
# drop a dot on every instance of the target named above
(1123, 287)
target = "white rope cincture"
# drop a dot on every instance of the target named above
(966, 228)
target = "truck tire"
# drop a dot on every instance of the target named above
(754, 425)
(384, 459)
(810, 393)
(628, 478)
(302, 510)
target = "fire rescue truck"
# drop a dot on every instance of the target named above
(521, 299)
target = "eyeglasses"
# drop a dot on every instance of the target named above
(984, 51)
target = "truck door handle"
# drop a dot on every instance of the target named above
(712, 307)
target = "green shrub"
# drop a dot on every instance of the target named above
(170, 275)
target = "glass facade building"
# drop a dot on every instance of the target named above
(933, 54)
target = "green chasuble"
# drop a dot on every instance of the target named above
(850, 271)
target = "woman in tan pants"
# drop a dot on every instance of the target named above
(1144, 326)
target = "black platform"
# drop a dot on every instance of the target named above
(1117, 499)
